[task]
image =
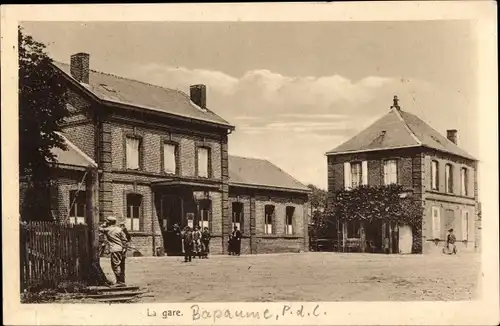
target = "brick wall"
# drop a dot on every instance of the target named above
(254, 238)
(152, 142)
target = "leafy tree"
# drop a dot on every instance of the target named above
(41, 110)
(317, 198)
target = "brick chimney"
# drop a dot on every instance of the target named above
(80, 67)
(452, 135)
(198, 95)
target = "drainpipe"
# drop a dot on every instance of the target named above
(153, 211)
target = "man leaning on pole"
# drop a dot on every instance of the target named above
(117, 240)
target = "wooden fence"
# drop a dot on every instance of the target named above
(52, 253)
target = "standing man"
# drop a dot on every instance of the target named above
(197, 242)
(188, 244)
(205, 239)
(236, 236)
(117, 240)
(450, 242)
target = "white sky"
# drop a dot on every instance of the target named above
(293, 90)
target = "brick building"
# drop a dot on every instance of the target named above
(162, 158)
(401, 148)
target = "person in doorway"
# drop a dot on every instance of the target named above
(118, 242)
(236, 239)
(176, 239)
(197, 242)
(205, 239)
(188, 244)
(450, 242)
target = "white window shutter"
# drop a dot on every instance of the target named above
(202, 162)
(364, 172)
(347, 175)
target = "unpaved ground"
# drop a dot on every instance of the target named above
(305, 277)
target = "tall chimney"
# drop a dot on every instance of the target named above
(452, 135)
(80, 67)
(199, 95)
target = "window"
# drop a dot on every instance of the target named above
(269, 217)
(448, 176)
(203, 162)
(78, 207)
(436, 223)
(170, 158)
(464, 177)
(390, 172)
(356, 177)
(134, 211)
(237, 217)
(205, 209)
(434, 175)
(465, 225)
(290, 212)
(133, 152)
(355, 174)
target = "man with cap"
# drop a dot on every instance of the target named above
(117, 240)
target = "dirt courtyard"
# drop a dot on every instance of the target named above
(321, 276)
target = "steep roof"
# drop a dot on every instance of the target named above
(258, 173)
(119, 90)
(399, 129)
(73, 156)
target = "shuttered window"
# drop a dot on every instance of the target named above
(448, 176)
(134, 212)
(203, 162)
(78, 202)
(464, 177)
(465, 225)
(434, 175)
(269, 218)
(289, 220)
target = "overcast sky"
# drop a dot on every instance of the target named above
(293, 90)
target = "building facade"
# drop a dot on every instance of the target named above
(400, 148)
(162, 159)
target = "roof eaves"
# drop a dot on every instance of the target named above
(274, 188)
(331, 153)
(78, 150)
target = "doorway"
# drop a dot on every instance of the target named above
(171, 221)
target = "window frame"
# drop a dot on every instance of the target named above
(140, 150)
(292, 222)
(435, 175)
(385, 166)
(75, 218)
(360, 163)
(176, 156)
(202, 208)
(436, 232)
(272, 216)
(130, 226)
(465, 222)
(209, 162)
(240, 215)
(448, 178)
(464, 181)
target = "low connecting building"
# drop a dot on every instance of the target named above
(160, 158)
(401, 148)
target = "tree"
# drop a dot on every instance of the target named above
(42, 108)
(317, 198)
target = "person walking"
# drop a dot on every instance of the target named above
(236, 239)
(205, 239)
(188, 244)
(117, 240)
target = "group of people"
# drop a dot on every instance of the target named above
(196, 243)
(234, 243)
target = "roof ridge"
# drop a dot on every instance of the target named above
(407, 127)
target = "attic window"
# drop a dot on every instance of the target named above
(108, 88)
